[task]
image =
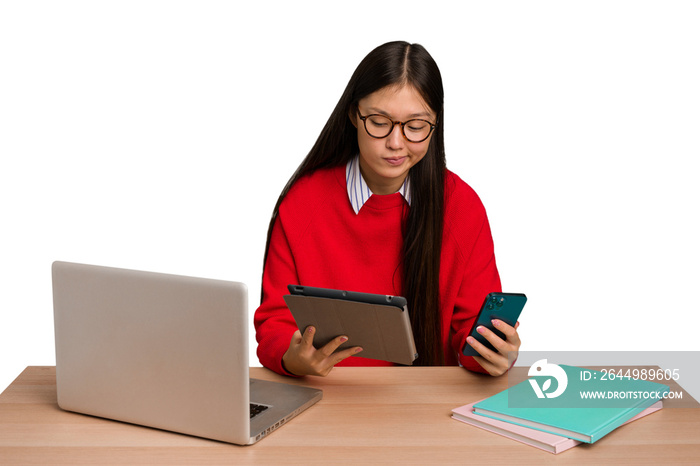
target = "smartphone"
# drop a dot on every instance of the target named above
(502, 306)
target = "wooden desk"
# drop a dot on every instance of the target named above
(367, 416)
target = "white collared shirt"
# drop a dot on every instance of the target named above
(359, 192)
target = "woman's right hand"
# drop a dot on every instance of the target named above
(303, 359)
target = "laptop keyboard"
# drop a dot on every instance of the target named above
(256, 409)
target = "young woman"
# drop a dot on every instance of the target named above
(373, 208)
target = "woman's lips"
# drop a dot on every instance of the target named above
(395, 160)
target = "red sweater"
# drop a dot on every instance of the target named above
(318, 240)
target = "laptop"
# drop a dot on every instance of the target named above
(163, 351)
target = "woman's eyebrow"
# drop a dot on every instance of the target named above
(412, 115)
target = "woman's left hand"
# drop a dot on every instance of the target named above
(497, 363)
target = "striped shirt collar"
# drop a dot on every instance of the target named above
(359, 192)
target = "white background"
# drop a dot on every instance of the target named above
(158, 135)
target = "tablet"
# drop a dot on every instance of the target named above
(378, 323)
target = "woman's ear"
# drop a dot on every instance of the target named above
(352, 114)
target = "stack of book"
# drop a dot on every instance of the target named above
(530, 414)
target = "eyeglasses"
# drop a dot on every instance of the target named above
(380, 126)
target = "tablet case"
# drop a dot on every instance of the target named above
(380, 324)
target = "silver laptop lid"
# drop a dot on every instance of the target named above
(159, 350)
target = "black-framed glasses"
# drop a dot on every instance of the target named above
(381, 126)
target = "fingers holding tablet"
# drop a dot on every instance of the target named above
(302, 358)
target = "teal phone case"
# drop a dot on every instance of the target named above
(504, 306)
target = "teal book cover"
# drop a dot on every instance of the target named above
(575, 402)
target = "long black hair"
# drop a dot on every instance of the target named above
(397, 64)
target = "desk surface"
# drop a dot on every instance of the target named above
(367, 416)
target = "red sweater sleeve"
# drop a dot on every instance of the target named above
(274, 324)
(474, 272)
(480, 279)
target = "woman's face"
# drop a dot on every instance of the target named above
(384, 163)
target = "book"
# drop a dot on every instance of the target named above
(543, 440)
(586, 405)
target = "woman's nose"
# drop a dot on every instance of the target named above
(395, 139)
